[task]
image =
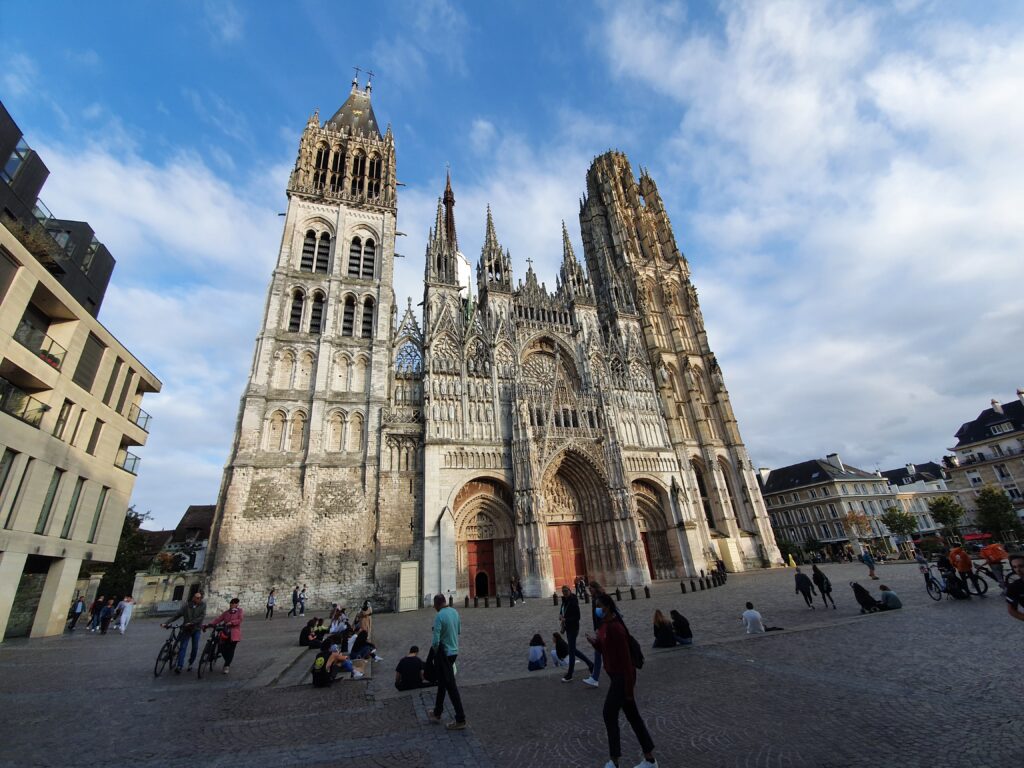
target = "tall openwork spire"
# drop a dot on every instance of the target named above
(442, 246)
(573, 277)
(494, 272)
(449, 213)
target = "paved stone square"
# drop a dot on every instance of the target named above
(936, 684)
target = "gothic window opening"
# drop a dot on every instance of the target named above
(408, 360)
(320, 170)
(298, 432)
(368, 308)
(369, 259)
(341, 367)
(323, 253)
(348, 316)
(355, 253)
(308, 246)
(295, 320)
(316, 313)
(337, 169)
(704, 499)
(283, 370)
(275, 431)
(375, 174)
(358, 173)
(304, 372)
(335, 432)
(355, 433)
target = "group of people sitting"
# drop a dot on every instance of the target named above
(339, 643)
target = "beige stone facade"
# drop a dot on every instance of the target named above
(71, 413)
(512, 431)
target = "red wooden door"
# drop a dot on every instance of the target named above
(647, 553)
(480, 559)
(568, 559)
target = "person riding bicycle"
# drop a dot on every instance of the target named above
(964, 565)
(995, 555)
(1015, 592)
(193, 612)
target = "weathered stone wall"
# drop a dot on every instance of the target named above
(26, 601)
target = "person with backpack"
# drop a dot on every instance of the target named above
(964, 565)
(621, 660)
(804, 587)
(824, 586)
(995, 555)
(329, 662)
(569, 618)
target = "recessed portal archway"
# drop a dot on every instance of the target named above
(484, 541)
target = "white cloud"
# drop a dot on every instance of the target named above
(215, 111)
(20, 75)
(433, 32)
(86, 58)
(224, 21)
(481, 135)
(856, 219)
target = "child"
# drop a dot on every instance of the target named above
(560, 653)
(538, 658)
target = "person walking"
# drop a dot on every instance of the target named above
(364, 619)
(824, 586)
(106, 616)
(595, 589)
(232, 619)
(569, 618)
(804, 587)
(995, 555)
(77, 609)
(124, 613)
(295, 602)
(964, 565)
(613, 642)
(445, 643)
(302, 601)
(271, 602)
(869, 561)
(192, 612)
(94, 613)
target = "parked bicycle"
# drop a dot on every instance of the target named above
(211, 651)
(168, 651)
(938, 584)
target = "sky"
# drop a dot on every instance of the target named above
(846, 181)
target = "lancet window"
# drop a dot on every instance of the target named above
(323, 253)
(337, 169)
(295, 318)
(348, 316)
(320, 167)
(308, 250)
(316, 313)
(358, 173)
(368, 308)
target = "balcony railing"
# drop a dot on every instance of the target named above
(127, 461)
(37, 342)
(139, 417)
(20, 404)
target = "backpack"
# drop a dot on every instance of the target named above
(636, 653)
(321, 677)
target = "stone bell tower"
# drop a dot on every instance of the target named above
(298, 501)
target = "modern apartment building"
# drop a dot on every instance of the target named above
(70, 403)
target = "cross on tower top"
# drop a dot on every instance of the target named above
(530, 262)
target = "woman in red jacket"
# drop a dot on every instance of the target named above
(613, 644)
(232, 619)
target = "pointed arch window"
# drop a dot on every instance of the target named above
(298, 302)
(316, 313)
(355, 255)
(369, 259)
(308, 248)
(275, 431)
(297, 434)
(348, 316)
(355, 433)
(337, 169)
(704, 500)
(335, 432)
(358, 173)
(375, 175)
(320, 167)
(368, 308)
(323, 253)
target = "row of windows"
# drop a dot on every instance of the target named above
(316, 255)
(365, 171)
(12, 486)
(344, 432)
(314, 323)
(291, 372)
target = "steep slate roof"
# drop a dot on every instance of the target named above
(928, 471)
(356, 113)
(981, 428)
(154, 541)
(810, 473)
(195, 523)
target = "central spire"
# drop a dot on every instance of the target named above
(449, 213)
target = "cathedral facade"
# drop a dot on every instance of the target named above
(511, 431)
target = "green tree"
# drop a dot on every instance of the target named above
(946, 512)
(130, 558)
(995, 512)
(899, 523)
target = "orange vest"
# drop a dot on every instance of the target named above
(961, 560)
(994, 553)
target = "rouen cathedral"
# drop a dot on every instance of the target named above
(512, 431)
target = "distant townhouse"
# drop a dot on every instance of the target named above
(70, 402)
(808, 501)
(989, 451)
(915, 485)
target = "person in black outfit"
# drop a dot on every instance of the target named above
(409, 672)
(569, 615)
(824, 586)
(308, 636)
(804, 587)
(664, 637)
(681, 628)
(295, 602)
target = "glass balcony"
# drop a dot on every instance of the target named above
(127, 461)
(139, 417)
(20, 404)
(37, 342)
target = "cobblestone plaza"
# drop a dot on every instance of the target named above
(936, 684)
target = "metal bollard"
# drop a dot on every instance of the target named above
(451, 599)
(497, 601)
(682, 587)
(701, 582)
(693, 585)
(647, 592)
(467, 601)
(554, 598)
(485, 602)
(702, 573)
(476, 601)
(632, 592)
(618, 595)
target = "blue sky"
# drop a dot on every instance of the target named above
(845, 179)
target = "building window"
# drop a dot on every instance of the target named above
(298, 432)
(323, 253)
(358, 173)
(825, 492)
(69, 520)
(125, 389)
(88, 363)
(337, 169)
(295, 319)
(94, 438)
(112, 382)
(832, 510)
(51, 494)
(1001, 472)
(316, 313)
(355, 255)
(375, 174)
(368, 307)
(320, 169)
(6, 465)
(308, 248)
(78, 426)
(275, 431)
(369, 259)
(18, 493)
(97, 514)
(62, 419)
(813, 493)
(999, 429)
(348, 316)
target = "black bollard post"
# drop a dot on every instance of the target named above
(451, 600)
(486, 602)
(647, 592)
(682, 587)
(618, 595)
(467, 601)
(632, 592)
(702, 573)
(554, 598)
(701, 582)
(693, 585)
(497, 601)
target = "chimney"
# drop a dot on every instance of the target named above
(1020, 394)
(835, 461)
(911, 469)
(996, 406)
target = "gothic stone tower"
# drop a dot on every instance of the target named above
(299, 498)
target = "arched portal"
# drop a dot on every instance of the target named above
(577, 513)
(484, 539)
(652, 521)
